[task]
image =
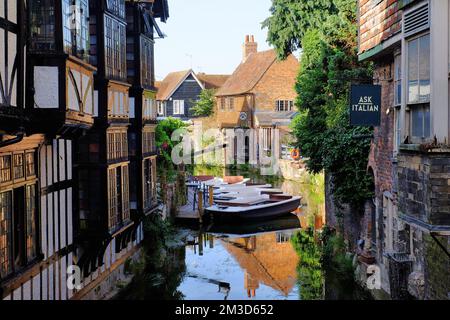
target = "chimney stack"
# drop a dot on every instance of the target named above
(249, 47)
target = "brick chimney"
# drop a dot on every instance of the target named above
(249, 47)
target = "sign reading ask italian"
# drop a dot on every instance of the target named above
(365, 105)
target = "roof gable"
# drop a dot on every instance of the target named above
(172, 82)
(248, 73)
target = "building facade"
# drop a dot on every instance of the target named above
(260, 95)
(179, 91)
(408, 225)
(65, 131)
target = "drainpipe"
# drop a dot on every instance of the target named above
(12, 141)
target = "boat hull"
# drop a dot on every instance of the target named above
(258, 213)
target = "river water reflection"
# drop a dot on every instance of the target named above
(256, 265)
(275, 260)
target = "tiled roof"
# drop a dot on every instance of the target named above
(212, 81)
(170, 83)
(248, 73)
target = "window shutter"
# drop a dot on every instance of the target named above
(416, 20)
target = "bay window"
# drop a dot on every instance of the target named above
(76, 27)
(5, 233)
(147, 62)
(42, 25)
(419, 87)
(115, 49)
(149, 185)
(118, 197)
(18, 229)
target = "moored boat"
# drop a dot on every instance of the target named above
(263, 206)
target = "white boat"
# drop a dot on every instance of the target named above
(246, 207)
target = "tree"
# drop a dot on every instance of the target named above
(290, 19)
(164, 131)
(327, 35)
(204, 107)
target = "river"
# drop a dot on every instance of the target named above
(274, 260)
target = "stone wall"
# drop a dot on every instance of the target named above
(424, 187)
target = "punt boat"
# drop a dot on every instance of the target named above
(253, 207)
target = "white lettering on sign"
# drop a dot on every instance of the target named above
(365, 104)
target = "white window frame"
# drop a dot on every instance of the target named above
(178, 107)
(410, 105)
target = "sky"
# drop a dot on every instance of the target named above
(207, 35)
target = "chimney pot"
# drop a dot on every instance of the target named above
(249, 47)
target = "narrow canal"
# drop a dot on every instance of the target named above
(273, 260)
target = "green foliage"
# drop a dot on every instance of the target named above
(164, 131)
(204, 107)
(336, 257)
(310, 275)
(290, 19)
(327, 34)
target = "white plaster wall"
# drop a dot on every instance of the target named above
(132, 106)
(44, 226)
(62, 219)
(46, 87)
(37, 287)
(2, 10)
(69, 159)
(88, 95)
(49, 162)
(12, 11)
(62, 159)
(95, 103)
(72, 96)
(26, 291)
(56, 219)
(50, 224)
(17, 294)
(51, 282)
(12, 53)
(44, 276)
(42, 162)
(69, 217)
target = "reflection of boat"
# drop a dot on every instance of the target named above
(263, 206)
(289, 222)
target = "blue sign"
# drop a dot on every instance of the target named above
(365, 105)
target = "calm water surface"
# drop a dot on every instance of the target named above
(264, 261)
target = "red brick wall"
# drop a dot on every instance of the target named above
(278, 83)
(378, 22)
(382, 148)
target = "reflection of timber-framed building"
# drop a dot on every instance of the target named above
(67, 143)
(408, 227)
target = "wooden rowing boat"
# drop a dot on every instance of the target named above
(253, 208)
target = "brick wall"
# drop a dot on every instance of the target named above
(382, 148)
(230, 119)
(378, 21)
(278, 83)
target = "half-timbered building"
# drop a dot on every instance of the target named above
(64, 145)
(141, 26)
